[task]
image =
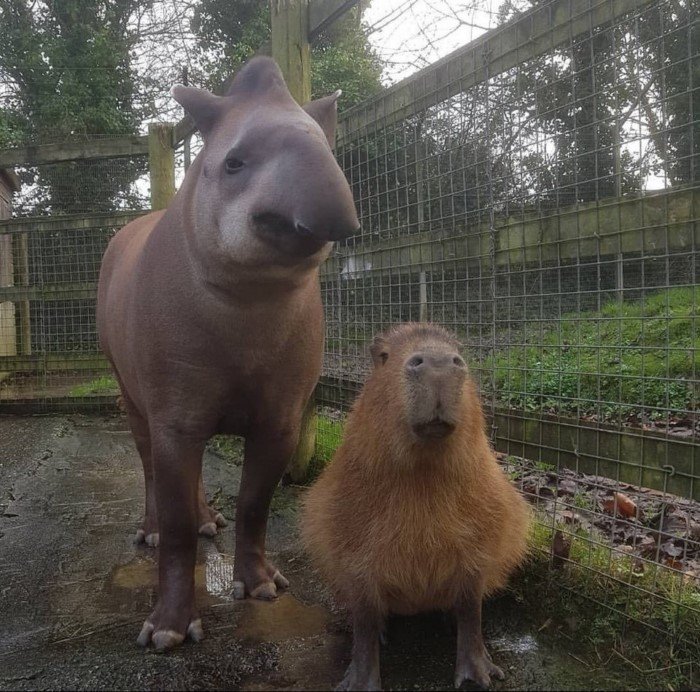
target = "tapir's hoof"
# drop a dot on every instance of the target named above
(168, 639)
(208, 529)
(151, 539)
(211, 526)
(265, 591)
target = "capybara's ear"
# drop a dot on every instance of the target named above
(379, 350)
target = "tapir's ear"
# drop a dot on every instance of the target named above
(379, 350)
(204, 107)
(325, 112)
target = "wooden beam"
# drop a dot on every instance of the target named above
(322, 13)
(649, 223)
(108, 148)
(82, 291)
(161, 164)
(54, 362)
(529, 35)
(68, 222)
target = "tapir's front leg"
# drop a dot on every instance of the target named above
(177, 462)
(267, 455)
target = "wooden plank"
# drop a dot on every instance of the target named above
(68, 222)
(649, 223)
(161, 164)
(47, 403)
(79, 291)
(107, 148)
(290, 45)
(639, 457)
(528, 36)
(54, 362)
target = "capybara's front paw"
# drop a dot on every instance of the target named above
(478, 668)
(358, 680)
(167, 633)
(257, 579)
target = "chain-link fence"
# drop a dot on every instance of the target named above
(536, 191)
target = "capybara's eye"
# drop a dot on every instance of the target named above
(415, 362)
(233, 165)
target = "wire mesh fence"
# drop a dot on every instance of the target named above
(537, 192)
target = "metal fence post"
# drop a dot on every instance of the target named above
(290, 49)
(161, 163)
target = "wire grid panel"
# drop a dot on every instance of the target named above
(537, 193)
(49, 353)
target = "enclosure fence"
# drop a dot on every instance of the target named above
(538, 193)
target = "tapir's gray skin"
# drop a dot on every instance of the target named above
(210, 313)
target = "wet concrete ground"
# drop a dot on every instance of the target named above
(74, 590)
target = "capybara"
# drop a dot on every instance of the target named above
(414, 513)
(210, 313)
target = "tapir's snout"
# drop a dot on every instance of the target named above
(326, 210)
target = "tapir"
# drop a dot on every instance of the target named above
(210, 314)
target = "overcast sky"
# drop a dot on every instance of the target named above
(410, 34)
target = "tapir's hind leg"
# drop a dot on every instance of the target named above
(209, 519)
(148, 532)
(266, 458)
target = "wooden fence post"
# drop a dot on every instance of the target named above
(22, 279)
(290, 49)
(161, 163)
(290, 45)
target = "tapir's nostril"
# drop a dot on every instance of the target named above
(340, 232)
(302, 230)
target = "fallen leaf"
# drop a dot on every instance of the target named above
(673, 564)
(619, 505)
(625, 506)
(567, 487)
(561, 546)
(671, 549)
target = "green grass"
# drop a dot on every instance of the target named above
(329, 433)
(624, 356)
(102, 385)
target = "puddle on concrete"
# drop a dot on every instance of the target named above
(132, 586)
(276, 621)
(516, 645)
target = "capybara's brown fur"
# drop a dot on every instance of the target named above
(404, 523)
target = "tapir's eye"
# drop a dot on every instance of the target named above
(233, 165)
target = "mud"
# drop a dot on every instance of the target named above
(74, 589)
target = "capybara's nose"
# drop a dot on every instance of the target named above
(423, 361)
